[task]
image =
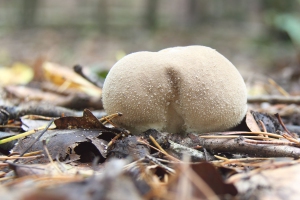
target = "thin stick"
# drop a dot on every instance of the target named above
(252, 133)
(274, 99)
(156, 144)
(117, 137)
(108, 118)
(155, 161)
(37, 117)
(42, 133)
(25, 134)
(247, 159)
(79, 71)
(263, 126)
(166, 154)
(10, 126)
(291, 139)
(282, 124)
(50, 158)
(221, 158)
(278, 87)
(33, 153)
(18, 157)
(234, 136)
(244, 162)
(271, 142)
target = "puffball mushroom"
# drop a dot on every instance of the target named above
(180, 89)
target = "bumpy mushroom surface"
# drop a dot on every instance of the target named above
(180, 89)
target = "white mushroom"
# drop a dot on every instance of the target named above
(180, 89)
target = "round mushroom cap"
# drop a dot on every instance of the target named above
(180, 89)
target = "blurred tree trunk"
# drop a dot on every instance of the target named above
(192, 13)
(150, 18)
(28, 13)
(102, 15)
(196, 12)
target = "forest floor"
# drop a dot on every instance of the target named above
(76, 158)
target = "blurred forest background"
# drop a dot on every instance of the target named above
(258, 36)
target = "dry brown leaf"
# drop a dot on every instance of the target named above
(280, 183)
(87, 121)
(251, 123)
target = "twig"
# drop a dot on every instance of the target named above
(178, 148)
(122, 134)
(252, 133)
(166, 154)
(78, 70)
(282, 124)
(290, 138)
(50, 158)
(234, 136)
(252, 148)
(263, 126)
(18, 157)
(278, 87)
(10, 126)
(272, 142)
(25, 134)
(274, 99)
(155, 161)
(33, 153)
(42, 133)
(228, 161)
(34, 117)
(108, 118)
(221, 158)
(156, 144)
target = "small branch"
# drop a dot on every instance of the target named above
(157, 162)
(78, 70)
(250, 133)
(163, 152)
(240, 146)
(274, 99)
(290, 138)
(107, 119)
(178, 148)
(263, 126)
(156, 144)
(278, 142)
(234, 136)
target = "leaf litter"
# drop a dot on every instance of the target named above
(81, 158)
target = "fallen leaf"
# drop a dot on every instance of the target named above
(66, 78)
(18, 73)
(212, 178)
(251, 123)
(69, 144)
(269, 183)
(87, 121)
